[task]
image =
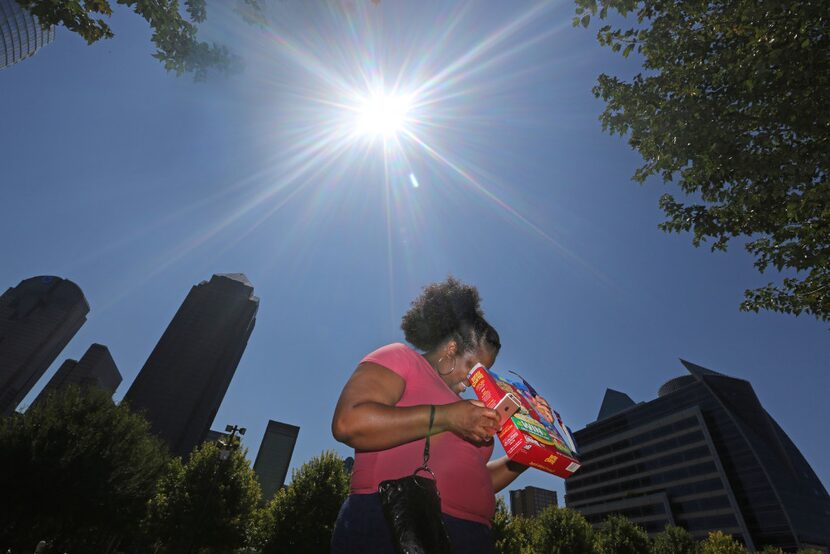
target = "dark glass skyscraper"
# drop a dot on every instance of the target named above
(184, 380)
(704, 455)
(215, 436)
(21, 36)
(38, 317)
(274, 456)
(96, 368)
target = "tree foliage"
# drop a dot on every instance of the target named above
(208, 504)
(720, 543)
(503, 539)
(301, 516)
(732, 104)
(174, 34)
(618, 535)
(514, 535)
(77, 471)
(564, 531)
(769, 549)
(673, 540)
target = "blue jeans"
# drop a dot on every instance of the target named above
(361, 528)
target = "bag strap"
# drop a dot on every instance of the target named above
(425, 467)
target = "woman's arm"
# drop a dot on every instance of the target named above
(366, 417)
(504, 471)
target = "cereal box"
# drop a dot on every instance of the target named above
(535, 435)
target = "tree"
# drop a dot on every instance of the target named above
(673, 540)
(527, 532)
(719, 543)
(302, 515)
(174, 35)
(77, 471)
(208, 504)
(732, 104)
(504, 540)
(769, 549)
(564, 531)
(618, 535)
(513, 535)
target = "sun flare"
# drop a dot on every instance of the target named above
(382, 114)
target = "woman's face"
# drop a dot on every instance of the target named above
(457, 380)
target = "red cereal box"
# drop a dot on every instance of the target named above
(535, 435)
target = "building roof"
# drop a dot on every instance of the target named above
(699, 371)
(675, 384)
(614, 402)
(241, 277)
(56, 289)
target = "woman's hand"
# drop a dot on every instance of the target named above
(468, 419)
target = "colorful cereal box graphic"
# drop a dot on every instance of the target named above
(535, 435)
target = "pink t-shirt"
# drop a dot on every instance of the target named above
(459, 466)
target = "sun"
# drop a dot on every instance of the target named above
(382, 114)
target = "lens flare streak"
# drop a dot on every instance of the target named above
(357, 101)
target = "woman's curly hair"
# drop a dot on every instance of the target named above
(448, 310)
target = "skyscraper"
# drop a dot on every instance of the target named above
(96, 368)
(706, 456)
(531, 501)
(21, 35)
(215, 436)
(184, 380)
(38, 317)
(274, 456)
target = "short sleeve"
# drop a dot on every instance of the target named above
(396, 357)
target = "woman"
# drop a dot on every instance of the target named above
(383, 413)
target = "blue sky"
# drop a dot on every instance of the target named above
(136, 185)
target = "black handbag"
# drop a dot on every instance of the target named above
(412, 507)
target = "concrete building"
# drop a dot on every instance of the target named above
(531, 501)
(96, 368)
(274, 456)
(184, 380)
(706, 456)
(21, 35)
(38, 318)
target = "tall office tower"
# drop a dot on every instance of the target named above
(531, 501)
(184, 380)
(20, 33)
(706, 456)
(348, 465)
(96, 368)
(215, 436)
(271, 465)
(38, 317)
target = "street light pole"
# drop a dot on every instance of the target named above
(225, 449)
(232, 444)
